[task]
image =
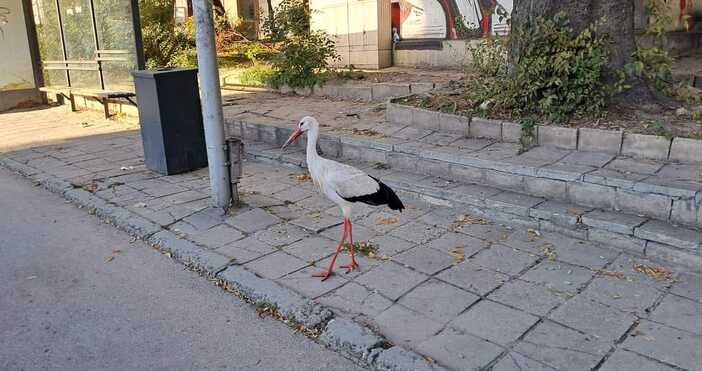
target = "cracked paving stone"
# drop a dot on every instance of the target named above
(312, 287)
(205, 219)
(622, 294)
(675, 347)
(504, 259)
(457, 243)
(460, 351)
(679, 312)
(252, 220)
(388, 246)
(689, 285)
(561, 277)
(245, 250)
(417, 232)
(494, 322)
(562, 348)
(473, 278)
(488, 232)
(217, 236)
(591, 317)
(438, 301)
(405, 327)
(425, 260)
(286, 212)
(316, 222)
(356, 299)
(360, 233)
(276, 265)
(292, 194)
(513, 361)
(311, 248)
(391, 279)
(280, 235)
(624, 360)
(528, 297)
(582, 253)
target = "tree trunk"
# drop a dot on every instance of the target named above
(618, 23)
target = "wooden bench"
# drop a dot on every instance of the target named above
(102, 96)
(96, 64)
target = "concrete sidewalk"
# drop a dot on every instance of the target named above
(451, 287)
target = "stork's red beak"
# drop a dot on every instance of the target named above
(292, 137)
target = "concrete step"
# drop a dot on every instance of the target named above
(669, 192)
(643, 236)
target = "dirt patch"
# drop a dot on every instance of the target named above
(685, 122)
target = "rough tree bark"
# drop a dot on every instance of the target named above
(618, 16)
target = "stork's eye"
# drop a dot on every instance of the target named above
(300, 124)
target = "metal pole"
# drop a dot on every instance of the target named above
(139, 46)
(62, 38)
(96, 41)
(211, 98)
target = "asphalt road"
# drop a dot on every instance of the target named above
(77, 294)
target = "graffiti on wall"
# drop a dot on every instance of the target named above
(425, 19)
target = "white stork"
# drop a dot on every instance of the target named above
(342, 184)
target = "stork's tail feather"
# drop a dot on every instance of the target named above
(393, 201)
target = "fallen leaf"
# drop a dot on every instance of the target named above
(615, 274)
(366, 132)
(110, 258)
(386, 221)
(91, 187)
(548, 251)
(300, 177)
(458, 253)
(655, 272)
(168, 254)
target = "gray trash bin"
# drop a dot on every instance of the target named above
(171, 120)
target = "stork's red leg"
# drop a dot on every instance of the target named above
(325, 274)
(353, 265)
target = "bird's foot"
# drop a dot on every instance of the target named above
(351, 266)
(324, 275)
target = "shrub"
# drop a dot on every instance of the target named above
(302, 61)
(258, 75)
(558, 73)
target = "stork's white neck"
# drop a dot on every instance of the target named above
(312, 137)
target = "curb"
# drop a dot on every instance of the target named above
(340, 334)
(653, 147)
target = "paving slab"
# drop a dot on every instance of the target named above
(527, 296)
(252, 220)
(276, 265)
(514, 361)
(504, 259)
(625, 360)
(391, 279)
(356, 299)
(406, 327)
(591, 317)
(460, 351)
(245, 250)
(666, 344)
(622, 293)
(562, 348)
(495, 322)
(560, 277)
(280, 235)
(425, 260)
(418, 232)
(679, 312)
(437, 300)
(688, 285)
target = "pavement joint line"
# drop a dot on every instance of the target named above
(318, 315)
